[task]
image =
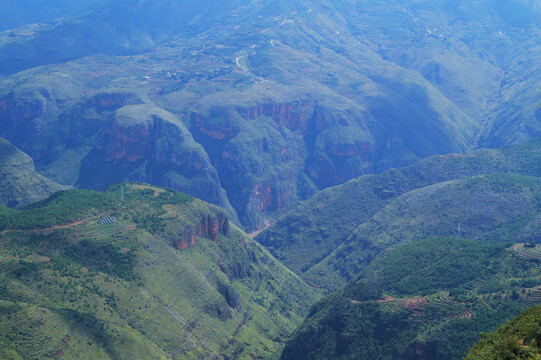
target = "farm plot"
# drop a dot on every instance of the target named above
(103, 233)
(436, 307)
(524, 252)
(534, 296)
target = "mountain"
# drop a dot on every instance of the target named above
(426, 300)
(16, 13)
(492, 209)
(518, 339)
(20, 185)
(274, 100)
(139, 272)
(328, 239)
(349, 132)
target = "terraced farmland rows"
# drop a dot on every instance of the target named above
(431, 307)
(415, 305)
(466, 314)
(441, 299)
(436, 307)
(95, 231)
(534, 296)
(527, 253)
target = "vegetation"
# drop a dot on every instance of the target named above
(124, 290)
(256, 106)
(520, 338)
(20, 185)
(436, 264)
(61, 208)
(432, 297)
(328, 239)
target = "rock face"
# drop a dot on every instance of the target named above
(147, 144)
(274, 153)
(19, 184)
(258, 157)
(111, 137)
(210, 227)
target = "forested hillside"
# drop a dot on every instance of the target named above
(157, 275)
(427, 300)
(518, 339)
(328, 239)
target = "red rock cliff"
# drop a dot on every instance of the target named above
(293, 115)
(209, 227)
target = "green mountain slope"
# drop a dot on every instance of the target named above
(425, 300)
(518, 339)
(494, 208)
(170, 278)
(19, 184)
(22, 12)
(329, 237)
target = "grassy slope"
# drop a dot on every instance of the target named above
(494, 208)
(19, 184)
(518, 339)
(304, 237)
(455, 289)
(125, 291)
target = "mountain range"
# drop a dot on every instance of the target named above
(269, 179)
(270, 101)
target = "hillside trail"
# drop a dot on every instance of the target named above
(69, 225)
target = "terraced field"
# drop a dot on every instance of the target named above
(435, 307)
(441, 307)
(524, 252)
(102, 233)
(534, 296)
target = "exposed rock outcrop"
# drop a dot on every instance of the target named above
(210, 227)
(295, 115)
(19, 184)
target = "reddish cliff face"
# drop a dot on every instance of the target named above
(156, 150)
(293, 115)
(210, 227)
(214, 131)
(20, 110)
(17, 118)
(130, 144)
(257, 147)
(266, 196)
(42, 125)
(113, 101)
